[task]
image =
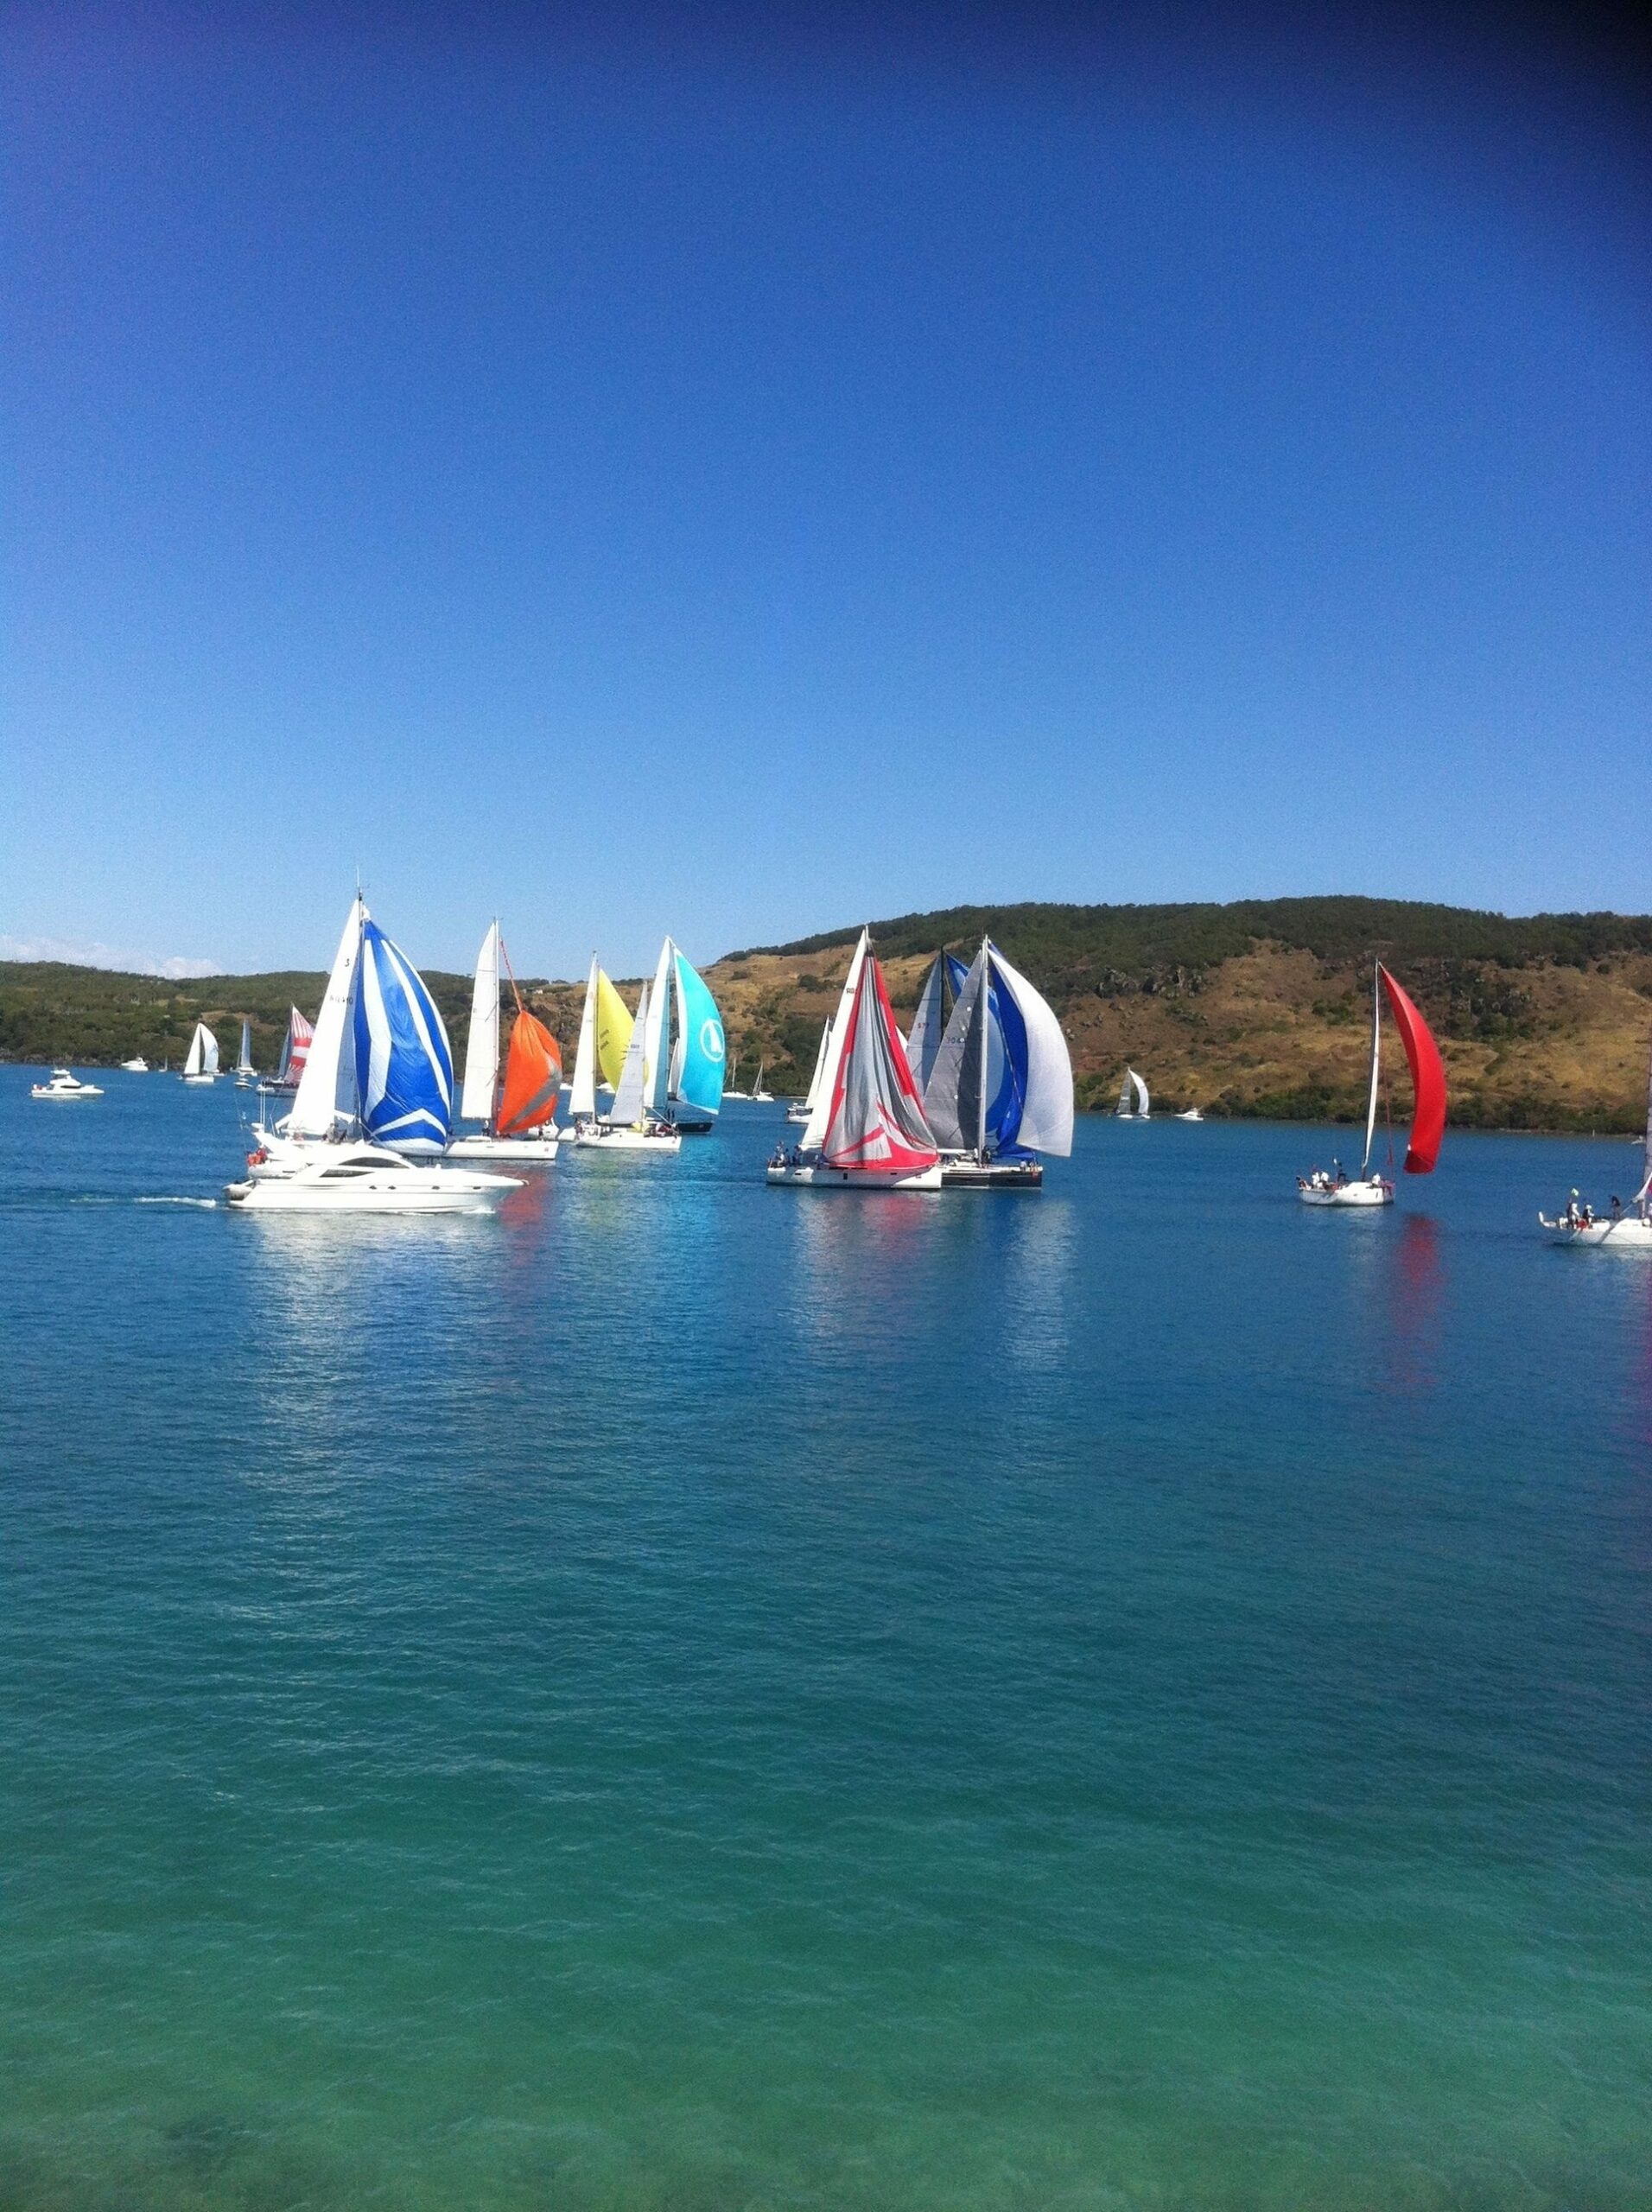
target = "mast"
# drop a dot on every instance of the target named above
(981, 1101)
(1376, 1056)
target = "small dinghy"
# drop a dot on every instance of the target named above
(65, 1085)
(1320, 1187)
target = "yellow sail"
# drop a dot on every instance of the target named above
(613, 1030)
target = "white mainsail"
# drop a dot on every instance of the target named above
(820, 1113)
(657, 1071)
(244, 1066)
(823, 1047)
(482, 1046)
(326, 1090)
(627, 1108)
(1376, 1058)
(202, 1057)
(582, 1098)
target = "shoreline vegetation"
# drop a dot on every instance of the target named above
(1258, 1010)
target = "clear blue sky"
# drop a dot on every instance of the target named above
(625, 468)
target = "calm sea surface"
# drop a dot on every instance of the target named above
(693, 1696)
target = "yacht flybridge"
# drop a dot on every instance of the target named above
(998, 1088)
(1323, 1187)
(867, 1129)
(65, 1085)
(517, 1113)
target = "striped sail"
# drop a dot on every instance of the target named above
(404, 1061)
(876, 1119)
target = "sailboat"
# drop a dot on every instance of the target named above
(246, 1074)
(200, 1064)
(1134, 1105)
(636, 1120)
(999, 1090)
(1332, 1188)
(692, 1037)
(517, 1113)
(760, 1097)
(1624, 1228)
(801, 1109)
(374, 1111)
(866, 1130)
(729, 1090)
(294, 1049)
(935, 1001)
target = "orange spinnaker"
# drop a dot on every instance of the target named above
(533, 1076)
(1427, 1080)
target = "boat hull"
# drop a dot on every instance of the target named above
(856, 1179)
(592, 1136)
(526, 1152)
(1372, 1192)
(80, 1091)
(992, 1175)
(1630, 1234)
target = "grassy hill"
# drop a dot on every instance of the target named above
(1257, 1007)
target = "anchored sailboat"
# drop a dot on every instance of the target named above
(1332, 1188)
(636, 1121)
(1134, 1104)
(246, 1074)
(866, 1130)
(1000, 1092)
(517, 1113)
(1624, 1228)
(200, 1063)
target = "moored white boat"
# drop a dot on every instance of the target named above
(246, 1074)
(65, 1083)
(1190, 1113)
(369, 1179)
(136, 1065)
(1330, 1187)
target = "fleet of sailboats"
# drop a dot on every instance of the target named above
(1621, 1228)
(1323, 1187)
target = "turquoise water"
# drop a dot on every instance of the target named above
(692, 1696)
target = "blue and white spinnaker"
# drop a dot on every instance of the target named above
(404, 1061)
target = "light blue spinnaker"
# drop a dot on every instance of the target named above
(403, 1063)
(699, 1069)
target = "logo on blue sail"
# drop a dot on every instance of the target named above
(711, 1038)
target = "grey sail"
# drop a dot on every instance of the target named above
(952, 1097)
(929, 1024)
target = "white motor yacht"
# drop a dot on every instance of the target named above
(65, 1085)
(136, 1065)
(368, 1179)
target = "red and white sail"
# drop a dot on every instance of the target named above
(873, 1118)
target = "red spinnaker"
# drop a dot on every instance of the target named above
(877, 1118)
(533, 1076)
(1427, 1080)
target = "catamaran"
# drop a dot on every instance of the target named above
(999, 1090)
(636, 1120)
(200, 1064)
(801, 1109)
(1134, 1104)
(374, 1103)
(1323, 1187)
(65, 1085)
(866, 1130)
(1621, 1228)
(517, 1114)
(246, 1074)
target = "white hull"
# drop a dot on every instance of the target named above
(1372, 1191)
(1631, 1234)
(529, 1151)
(363, 1179)
(1191, 1114)
(139, 1066)
(857, 1178)
(598, 1136)
(63, 1085)
(798, 1113)
(198, 1079)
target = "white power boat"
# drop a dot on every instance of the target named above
(1190, 1113)
(1323, 1187)
(136, 1065)
(368, 1179)
(65, 1085)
